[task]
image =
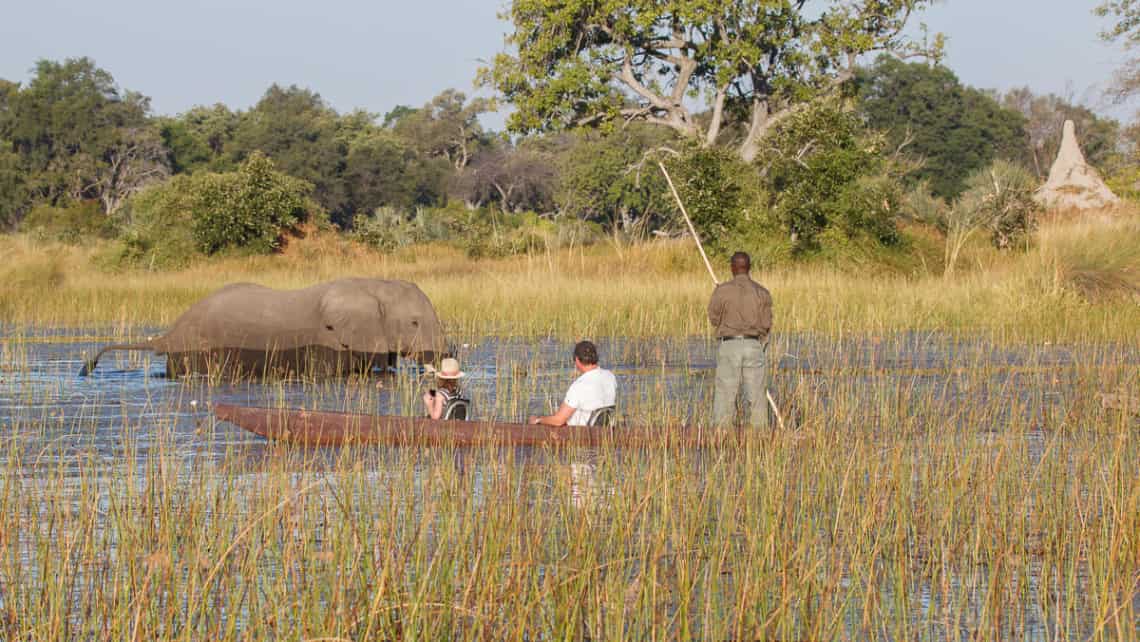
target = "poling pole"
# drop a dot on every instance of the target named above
(701, 248)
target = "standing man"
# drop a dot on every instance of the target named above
(741, 312)
(594, 388)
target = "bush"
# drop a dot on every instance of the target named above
(715, 186)
(74, 224)
(249, 209)
(158, 231)
(823, 171)
(1001, 196)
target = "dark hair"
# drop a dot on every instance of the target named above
(742, 259)
(586, 352)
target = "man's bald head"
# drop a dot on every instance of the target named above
(741, 263)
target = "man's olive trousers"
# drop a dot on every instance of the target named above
(741, 362)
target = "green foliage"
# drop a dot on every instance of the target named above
(12, 196)
(248, 209)
(159, 230)
(713, 184)
(198, 138)
(602, 178)
(582, 61)
(301, 134)
(79, 137)
(928, 112)
(1125, 183)
(826, 173)
(387, 229)
(447, 127)
(75, 223)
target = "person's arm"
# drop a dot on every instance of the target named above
(433, 404)
(716, 308)
(565, 411)
(765, 311)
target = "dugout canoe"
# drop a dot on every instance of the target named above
(319, 428)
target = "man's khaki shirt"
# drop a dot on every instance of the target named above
(741, 307)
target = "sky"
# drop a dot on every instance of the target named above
(379, 54)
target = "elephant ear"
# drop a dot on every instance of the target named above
(353, 320)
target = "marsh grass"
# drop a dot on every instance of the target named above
(975, 499)
(652, 290)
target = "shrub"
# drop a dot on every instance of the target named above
(249, 209)
(158, 230)
(823, 170)
(74, 223)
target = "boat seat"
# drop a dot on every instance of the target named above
(457, 409)
(602, 417)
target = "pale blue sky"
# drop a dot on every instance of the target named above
(375, 55)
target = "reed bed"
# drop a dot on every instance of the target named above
(968, 492)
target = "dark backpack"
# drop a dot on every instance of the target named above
(457, 409)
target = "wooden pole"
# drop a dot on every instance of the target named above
(700, 247)
(688, 222)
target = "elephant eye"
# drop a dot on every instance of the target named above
(416, 323)
(328, 327)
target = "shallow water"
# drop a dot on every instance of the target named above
(508, 379)
(127, 414)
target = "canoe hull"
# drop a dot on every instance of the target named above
(319, 428)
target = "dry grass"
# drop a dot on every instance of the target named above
(659, 289)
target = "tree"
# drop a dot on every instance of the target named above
(828, 172)
(380, 170)
(82, 138)
(601, 178)
(446, 127)
(748, 61)
(927, 111)
(12, 199)
(517, 178)
(1126, 28)
(198, 139)
(301, 134)
(1045, 117)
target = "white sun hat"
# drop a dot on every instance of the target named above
(449, 369)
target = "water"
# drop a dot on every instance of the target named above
(127, 413)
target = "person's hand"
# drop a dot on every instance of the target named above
(427, 398)
(532, 420)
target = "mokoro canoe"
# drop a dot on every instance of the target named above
(319, 428)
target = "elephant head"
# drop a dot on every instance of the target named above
(374, 316)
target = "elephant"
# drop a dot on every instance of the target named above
(334, 328)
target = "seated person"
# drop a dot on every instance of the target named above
(595, 388)
(447, 388)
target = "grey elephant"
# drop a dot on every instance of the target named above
(335, 328)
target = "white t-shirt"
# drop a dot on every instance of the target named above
(590, 391)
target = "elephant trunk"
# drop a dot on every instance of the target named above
(89, 365)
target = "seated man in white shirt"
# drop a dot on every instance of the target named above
(595, 388)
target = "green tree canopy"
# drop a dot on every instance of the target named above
(602, 179)
(198, 138)
(295, 128)
(927, 111)
(447, 127)
(751, 62)
(79, 137)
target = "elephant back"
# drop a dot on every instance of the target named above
(246, 316)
